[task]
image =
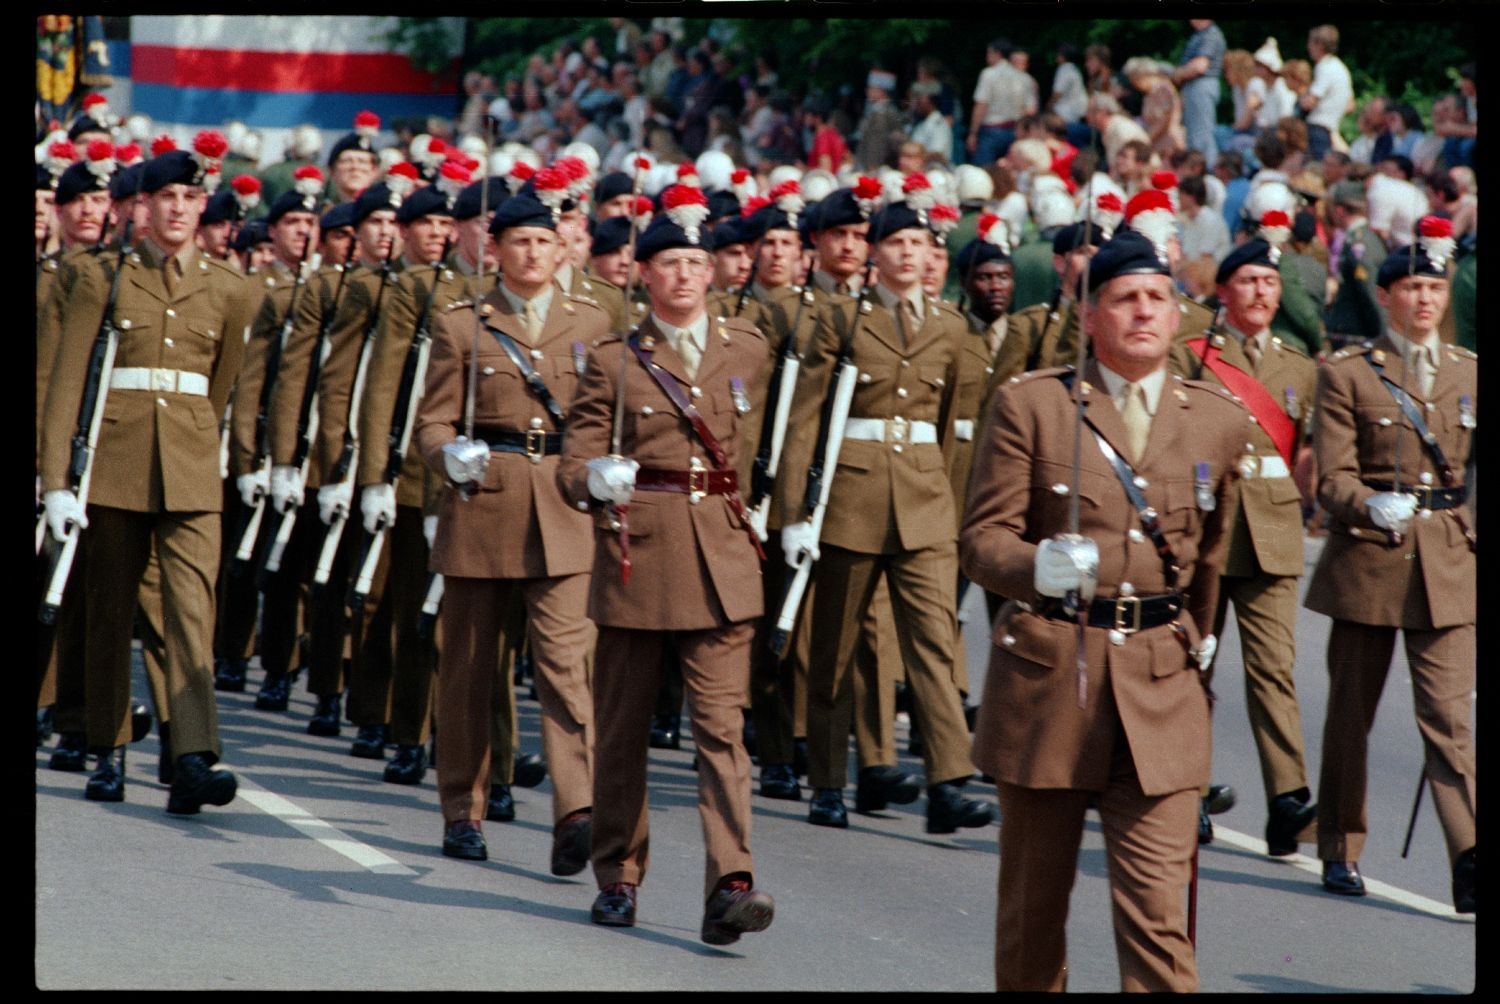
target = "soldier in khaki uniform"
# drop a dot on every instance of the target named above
(182, 319)
(1130, 727)
(694, 561)
(1400, 556)
(572, 227)
(1275, 381)
(890, 516)
(515, 533)
(1355, 255)
(1035, 333)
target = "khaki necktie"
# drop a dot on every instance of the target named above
(1137, 420)
(533, 318)
(688, 350)
(996, 336)
(169, 276)
(1252, 352)
(1426, 369)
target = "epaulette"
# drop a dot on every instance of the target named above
(582, 299)
(723, 325)
(466, 302)
(590, 302)
(1462, 353)
(1349, 352)
(1051, 371)
(1214, 389)
(1285, 346)
(207, 264)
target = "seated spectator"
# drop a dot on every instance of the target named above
(1230, 169)
(1114, 127)
(1371, 123)
(1161, 105)
(1405, 127)
(1132, 166)
(1192, 164)
(1204, 238)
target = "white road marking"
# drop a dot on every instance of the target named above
(1315, 867)
(326, 834)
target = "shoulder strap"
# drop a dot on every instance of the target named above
(1414, 416)
(682, 404)
(1268, 414)
(1148, 516)
(533, 379)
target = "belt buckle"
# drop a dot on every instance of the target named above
(898, 426)
(1124, 624)
(1423, 495)
(697, 482)
(163, 380)
(536, 444)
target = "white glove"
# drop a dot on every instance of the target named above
(223, 457)
(1065, 563)
(253, 486)
(376, 504)
(1391, 510)
(286, 487)
(466, 461)
(758, 522)
(797, 538)
(612, 479)
(62, 508)
(429, 530)
(334, 500)
(1203, 654)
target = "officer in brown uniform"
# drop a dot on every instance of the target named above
(182, 319)
(1275, 381)
(890, 515)
(1125, 722)
(672, 500)
(504, 527)
(1399, 556)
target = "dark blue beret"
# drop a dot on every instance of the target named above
(341, 215)
(428, 201)
(1408, 261)
(373, 199)
(78, 179)
(220, 208)
(663, 235)
(251, 234)
(722, 204)
(1253, 252)
(893, 218)
(83, 124)
(290, 202)
(838, 209)
(727, 233)
(522, 210)
(978, 252)
(472, 199)
(1127, 253)
(610, 235)
(612, 186)
(350, 141)
(175, 167)
(126, 182)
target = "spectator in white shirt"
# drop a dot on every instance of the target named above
(1204, 238)
(1070, 98)
(1395, 206)
(929, 128)
(1371, 125)
(1332, 93)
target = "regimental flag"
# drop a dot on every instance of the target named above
(273, 73)
(70, 57)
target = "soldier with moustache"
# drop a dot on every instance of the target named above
(1125, 723)
(1395, 424)
(1263, 560)
(505, 531)
(182, 319)
(670, 494)
(890, 516)
(292, 226)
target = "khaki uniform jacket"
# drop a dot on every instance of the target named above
(1030, 730)
(518, 525)
(786, 307)
(885, 496)
(158, 450)
(273, 289)
(58, 272)
(406, 302)
(694, 567)
(1264, 514)
(978, 375)
(723, 302)
(1429, 580)
(606, 294)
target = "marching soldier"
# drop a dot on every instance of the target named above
(516, 534)
(890, 516)
(664, 497)
(182, 319)
(1395, 423)
(1126, 721)
(1275, 381)
(1355, 256)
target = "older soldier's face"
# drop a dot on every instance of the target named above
(678, 279)
(174, 212)
(528, 256)
(1250, 298)
(1131, 323)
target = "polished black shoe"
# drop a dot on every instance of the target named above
(948, 809)
(165, 762)
(1289, 815)
(229, 675)
(1220, 799)
(1205, 825)
(463, 840)
(666, 732)
(275, 692)
(572, 842)
(827, 808)
(1464, 882)
(1343, 878)
(325, 717)
(735, 909)
(530, 771)
(140, 721)
(799, 757)
(43, 726)
(881, 785)
(370, 742)
(196, 783)
(408, 766)
(71, 753)
(615, 905)
(778, 781)
(501, 807)
(107, 782)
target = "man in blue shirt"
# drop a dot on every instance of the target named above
(1198, 79)
(1230, 169)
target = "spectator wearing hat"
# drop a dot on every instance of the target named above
(1124, 729)
(1330, 95)
(881, 127)
(1198, 76)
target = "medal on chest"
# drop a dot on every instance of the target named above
(1203, 490)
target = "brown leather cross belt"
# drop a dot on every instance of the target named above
(698, 481)
(1122, 613)
(1428, 497)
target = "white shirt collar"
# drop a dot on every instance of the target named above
(1153, 384)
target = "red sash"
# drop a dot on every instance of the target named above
(1270, 416)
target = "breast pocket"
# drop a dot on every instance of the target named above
(1377, 427)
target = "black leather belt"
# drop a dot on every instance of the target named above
(1121, 613)
(532, 442)
(1428, 497)
(697, 481)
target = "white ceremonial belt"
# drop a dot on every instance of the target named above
(897, 430)
(963, 430)
(1271, 466)
(154, 378)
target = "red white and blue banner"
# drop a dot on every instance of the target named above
(273, 73)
